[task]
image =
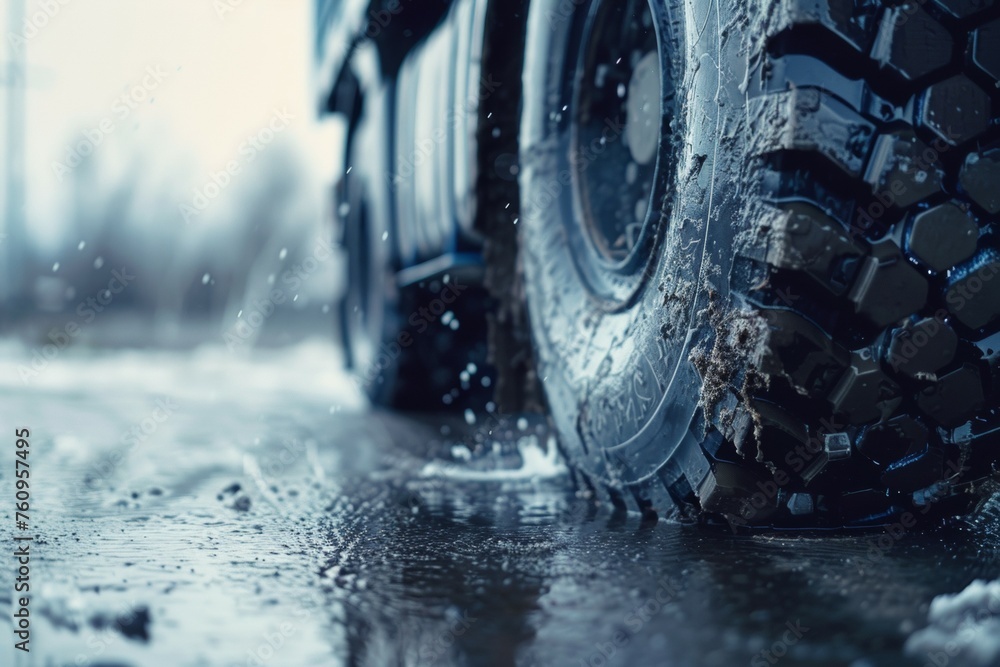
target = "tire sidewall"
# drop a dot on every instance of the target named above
(370, 343)
(619, 382)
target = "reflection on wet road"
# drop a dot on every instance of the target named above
(211, 510)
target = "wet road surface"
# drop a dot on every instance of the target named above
(206, 509)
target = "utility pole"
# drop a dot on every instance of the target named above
(12, 231)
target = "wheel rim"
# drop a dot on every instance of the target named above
(620, 117)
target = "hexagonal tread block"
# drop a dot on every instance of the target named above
(986, 49)
(955, 109)
(954, 398)
(887, 288)
(913, 47)
(726, 488)
(805, 119)
(865, 393)
(973, 293)
(943, 237)
(920, 350)
(801, 352)
(898, 170)
(980, 178)
(848, 20)
(889, 442)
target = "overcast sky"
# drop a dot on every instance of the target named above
(221, 77)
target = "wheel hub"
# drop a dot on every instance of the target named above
(618, 125)
(642, 127)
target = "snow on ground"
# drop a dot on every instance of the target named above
(964, 628)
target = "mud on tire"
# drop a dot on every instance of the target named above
(800, 328)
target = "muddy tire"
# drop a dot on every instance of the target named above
(759, 244)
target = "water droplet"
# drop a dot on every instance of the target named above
(470, 417)
(283, 254)
(81, 245)
(55, 267)
(99, 262)
(205, 278)
(385, 235)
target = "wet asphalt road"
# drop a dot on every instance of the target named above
(207, 509)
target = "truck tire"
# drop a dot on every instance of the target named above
(759, 244)
(416, 347)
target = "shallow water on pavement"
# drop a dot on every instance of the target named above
(206, 509)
